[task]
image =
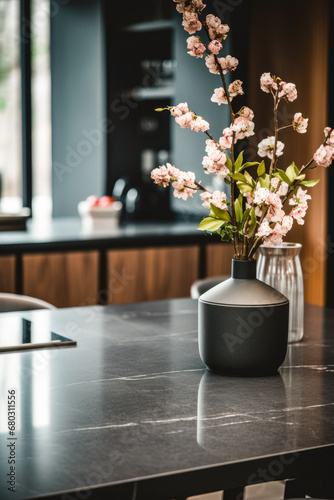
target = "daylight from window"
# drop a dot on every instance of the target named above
(10, 105)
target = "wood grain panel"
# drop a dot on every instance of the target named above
(306, 65)
(63, 279)
(7, 274)
(218, 259)
(151, 273)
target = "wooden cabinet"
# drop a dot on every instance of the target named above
(218, 259)
(63, 279)
(7, 274)
(151, 273)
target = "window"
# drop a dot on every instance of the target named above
(10, 105)
(25, 116)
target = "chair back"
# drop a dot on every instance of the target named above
(10, 302)
(201, 286)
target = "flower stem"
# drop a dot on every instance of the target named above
(209, 135)
(274, 158)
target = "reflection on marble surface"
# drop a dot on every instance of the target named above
(133, 400)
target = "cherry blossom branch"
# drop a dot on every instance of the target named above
(232, 188)
(209, 135)
(274, 158)
(286, 126)
(292, 188)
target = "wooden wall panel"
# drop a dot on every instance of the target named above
(218, 259)
(7, 274)
(63, 279)
(151, 273)
(275, 47)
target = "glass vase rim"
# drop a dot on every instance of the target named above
(284, 244)
(282, 249)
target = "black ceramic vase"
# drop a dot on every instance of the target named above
(243, 325)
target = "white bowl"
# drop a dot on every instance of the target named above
(100, 217)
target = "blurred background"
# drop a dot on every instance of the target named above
(80, 80)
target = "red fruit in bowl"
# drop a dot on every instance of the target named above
(92, 201)
(106, 201)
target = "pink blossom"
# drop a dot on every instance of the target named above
(300, 198)
(266, 148)
(180, 109)
(324, 156)
(235, 88)
(242, 128)
(267, 83)
(225, 142)
(211, 145)
(190, 22)
(219, 96)
(215, 47)
(217, 198)
(329, 135)
(206, 198)
(198, 124)
(298, 213)
(261, 195)
(274, 183)
(217, 30)
(161, 176)
(288, 91)
(299, 123)
(228, 63)
(173, 172)
(214, 153)
(185, 120)
(274, 200)
(274, 214)
(246, 113)
(212, 167)
(192, 6)
(264, 229)
(273, 239)
(211, 64)
(185, 186)
(286, 224)
(283, 189)
(198, 5)
(196, 48)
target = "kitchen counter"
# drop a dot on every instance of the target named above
(70, 232)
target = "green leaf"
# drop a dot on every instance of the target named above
(228, 163)
(300, 177)
(238, 177)
(281, 175)
(264, 181)
(210, 224)
(292, 171)
(238, 162)
(244, 218)
(249, 179)
(238, 208)
(248, 164)
(261, 169)
(252, 223)
(244, 187)
(220, 213)
(310, 183)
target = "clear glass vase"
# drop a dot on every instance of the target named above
(279, 266)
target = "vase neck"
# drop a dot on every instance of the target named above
(244, 269)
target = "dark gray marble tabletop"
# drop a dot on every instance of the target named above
(131, 412)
